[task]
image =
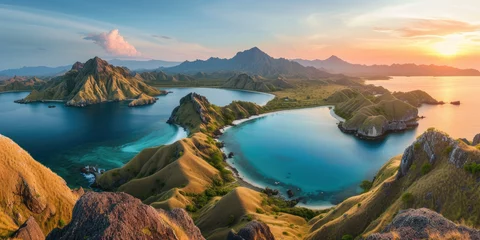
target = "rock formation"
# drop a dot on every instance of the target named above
(29, 231)
(94, 82)
(476, 140)
(21, 84)
(253, 230)
(121, 216)
(423, 224)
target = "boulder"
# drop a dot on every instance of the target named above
(424, 224)
(476, 140)
(30, 230)
(253, 230)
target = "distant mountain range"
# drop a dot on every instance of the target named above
(253, 61)
(56, 71)
(35, 71)
(335, 64)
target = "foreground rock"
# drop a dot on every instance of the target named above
(121, 216)
(424, 224)
(253, 230)
(29, 231)
(94, 82)
(476, 140)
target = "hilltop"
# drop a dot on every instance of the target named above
(94, 82)
(253, 61)
(334, 64)
(435, 172)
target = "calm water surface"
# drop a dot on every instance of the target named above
(106, 135)
(304, 151)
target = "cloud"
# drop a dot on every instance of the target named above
(113, 43)
(432, 27)
(161, 36)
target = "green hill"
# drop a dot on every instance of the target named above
(245, 82)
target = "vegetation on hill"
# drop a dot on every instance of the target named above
(197, 114)
(245, 82)
(95, 81)
(30, 189)
(21, 84)
(371, 115)
(402, 183)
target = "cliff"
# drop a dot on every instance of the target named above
(197, 114)
(435, 172)
(94, 82)
(121, 216)
(30, 190)
(372, 116)
(245, 82)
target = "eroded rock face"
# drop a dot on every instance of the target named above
(476, 140)
(29, 231)
(121, 216)
(30, 197)
(433, 143)
(181, 218)
(252, 231)
(424, 224)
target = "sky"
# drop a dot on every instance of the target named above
(61, 32)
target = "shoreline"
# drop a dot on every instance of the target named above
(252, 184)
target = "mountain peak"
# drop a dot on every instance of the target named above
(96, 65)
(334, 58)
(251, 55)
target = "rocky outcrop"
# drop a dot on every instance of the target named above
(245, 82)
(29, 231)
(476, 140)
(94, 82)
(424, 224)
(252, 231)
(121, 216)
(142, 99)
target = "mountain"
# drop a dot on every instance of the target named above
(35, 71)
(29, 189)
(94, 82)
(141, 65)
(252, 61)
(336, 65)
(21, 84)
(245, 82)
(435, 172)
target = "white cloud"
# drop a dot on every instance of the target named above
(113, 43)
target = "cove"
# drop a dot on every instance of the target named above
(106, 135)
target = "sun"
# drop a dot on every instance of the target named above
(448, 47)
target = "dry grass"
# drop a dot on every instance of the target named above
(17, 166)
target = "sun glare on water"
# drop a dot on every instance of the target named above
(448, 47)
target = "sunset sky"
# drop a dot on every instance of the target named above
(60, 32)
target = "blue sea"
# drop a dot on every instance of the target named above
(105, 135)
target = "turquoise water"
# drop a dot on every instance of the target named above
(303, 150)
(105, 135)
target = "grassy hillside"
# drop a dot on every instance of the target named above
(30, 189)
(435, 172)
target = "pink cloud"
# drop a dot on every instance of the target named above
(432, 27)
(113, 43)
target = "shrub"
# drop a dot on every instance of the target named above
(259, 210)
(359, 204)
(285, 233)
(61, 222)
(231, 220)
(472, 168)
(426, 168)
(366, 185)
(347, 237)
(448, 150)
(191, 208)
(417, 146)
(407, 199)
